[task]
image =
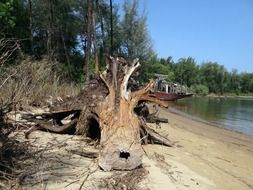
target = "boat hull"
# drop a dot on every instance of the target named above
(168, 96)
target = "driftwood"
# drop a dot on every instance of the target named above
(86, 154)
(142, 110)
(107, 110)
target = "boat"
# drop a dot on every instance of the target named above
(168, 90)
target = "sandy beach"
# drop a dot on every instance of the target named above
(221, 159)
(203, 157)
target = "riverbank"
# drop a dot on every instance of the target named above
(222, 159)
(203, 158)
(230, 113)
(249, 95)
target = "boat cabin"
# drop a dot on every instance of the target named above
(162, 85)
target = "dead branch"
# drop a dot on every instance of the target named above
(45, 126)
(156, 138)
(153, 137)
(85, 154)
(8, 46)
(7, 79)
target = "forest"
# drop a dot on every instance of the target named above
(66, 41)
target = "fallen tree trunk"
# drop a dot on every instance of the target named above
(104, 110)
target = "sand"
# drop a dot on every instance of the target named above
(204, 157)
(216, 158)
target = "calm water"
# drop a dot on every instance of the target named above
(231, 113)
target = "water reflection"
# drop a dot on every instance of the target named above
(232, 113)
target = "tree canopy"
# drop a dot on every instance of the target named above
(75, 34)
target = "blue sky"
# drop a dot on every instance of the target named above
(207, 30)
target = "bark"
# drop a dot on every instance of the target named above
(65, 48)
(103, 32)
(111, 20)
(94, 38)
(31, 26)
(88, 41)
(50, 39)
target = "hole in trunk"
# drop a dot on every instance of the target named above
(94, 131)
(124, 155)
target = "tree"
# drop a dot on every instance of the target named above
(234, 82)
(136, 42)
(7, 20)
(31, 25)
(94, 36)
(246, 82)
(186, 71)
(111, 23)
(51, 40)
(14, 20)
(200, 89)
(214, 76)
(221, 79)
(158, 66)
(88, 41)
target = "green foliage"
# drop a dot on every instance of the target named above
(234, 82)
(13, 19)
(135, 38)
(6, 17)
(35, 22)
(213, 76)
(186, 71)
(246, 82)
(209, 77)
(160, 67)
(200, 89)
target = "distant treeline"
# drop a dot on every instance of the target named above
(75, 36)
(208, 77)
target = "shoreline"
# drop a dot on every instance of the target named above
(207, 129)
(198, 119)
(218, 157)
(228, 96)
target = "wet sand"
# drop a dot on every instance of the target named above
(223, 158)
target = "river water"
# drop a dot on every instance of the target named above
(231, 113)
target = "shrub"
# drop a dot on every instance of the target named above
(200, 89)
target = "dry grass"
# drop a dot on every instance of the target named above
(29, 82)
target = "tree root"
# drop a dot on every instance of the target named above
(148, 135)
(45, 126)
(156, 138)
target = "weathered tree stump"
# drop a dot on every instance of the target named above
(120, 144)
(104, 110)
